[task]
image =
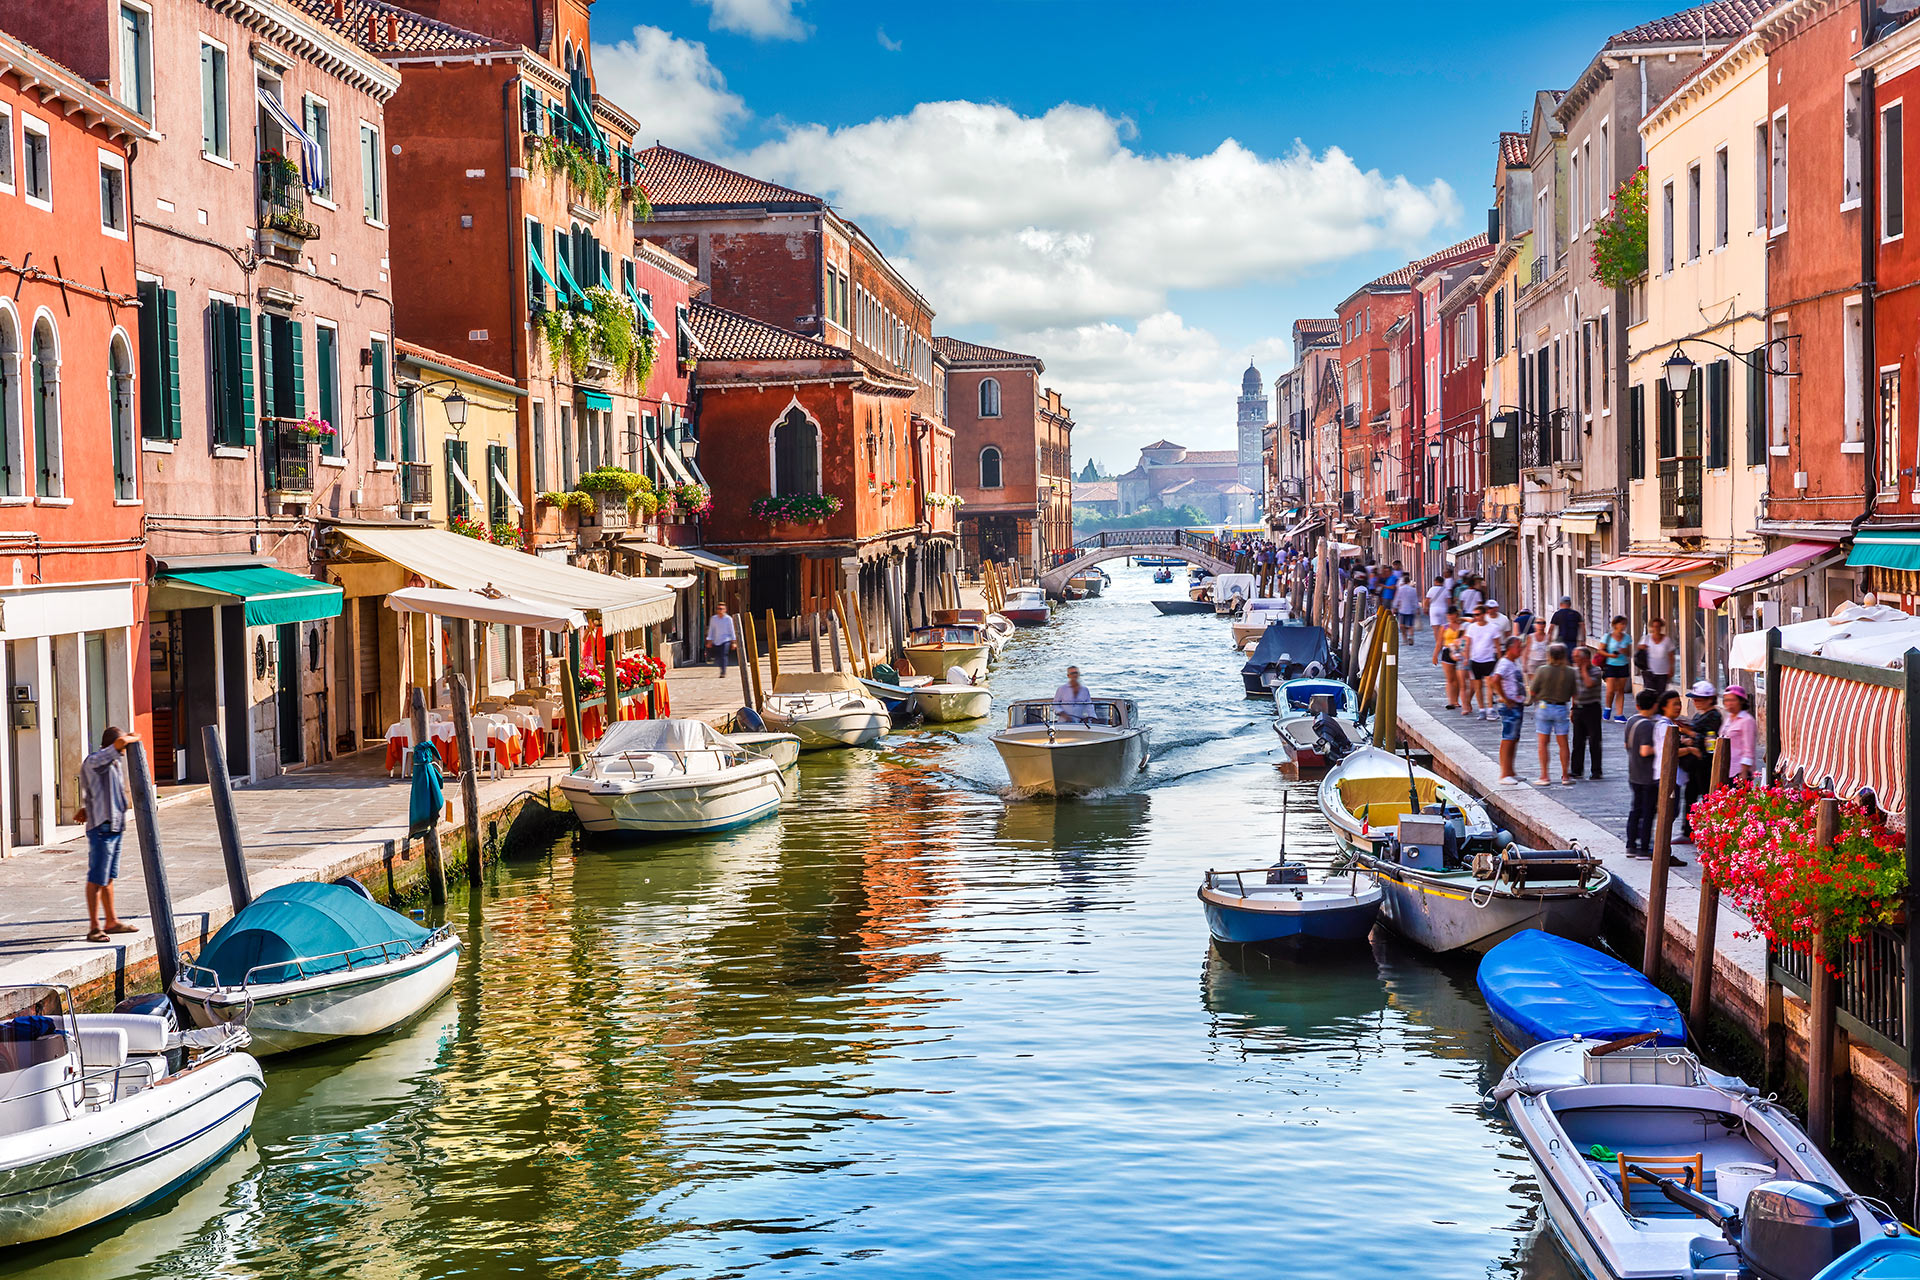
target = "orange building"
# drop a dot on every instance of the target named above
(1013, 447)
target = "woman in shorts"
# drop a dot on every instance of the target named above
(1447, 654)
(1617, 666)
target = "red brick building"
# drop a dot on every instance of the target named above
(1013, 449)
(73, 572)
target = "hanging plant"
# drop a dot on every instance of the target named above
(613, 481)
(568, 337)
(694, 499)
(591, 183)
(796, 508)
(1620, 235)
(505, 533)
(570, 500)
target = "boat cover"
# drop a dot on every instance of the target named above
(1299, 643)
(1552, 988)
(1886, 1258)
(1301, 693)
(317, 923)
(659, 735)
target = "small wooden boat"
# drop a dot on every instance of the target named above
(1452, 879)
(994, 629)
(825, 709)
(932, 651)
(305, 963)
(1183, 606)
(1253, 620)
(1281, 905)
(1054, 749)
(1652, 1167)
(1540, 987)
(1287, 651)
(101, 1113)
(1317, 721)
(1159, 562)
(671, 777)
(1201, 589)
(955, 698)
(1026, 606)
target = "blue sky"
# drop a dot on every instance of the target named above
(1143, 195)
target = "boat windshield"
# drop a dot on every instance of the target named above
(943, 635)
(1111, 712)
(671, 736)
(34, 1024)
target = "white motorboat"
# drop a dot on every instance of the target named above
(933, 650)
(1652, 1167)
(1232, 591)
(1253, 620)
(781, 748)
(824, 709)
(994, 628)
(103, 1112)
(305, 963)
(671, 777)
(1026, 606)
(957, 698)
(1054, 749)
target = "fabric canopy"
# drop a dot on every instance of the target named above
(1851, 624)
(1485, 538)
(1646, 568)
(720, 565)
(446, 602)
(506, 487)
(269, 596)
(1341, 550)
(595, 399)
(459, 474)
(668, 558)
(1743, 578)
(1587, 522)
(315, 925)
(1847, 734)
(1886, 549)
(1420, 523)
(472, 565)
(661, 735)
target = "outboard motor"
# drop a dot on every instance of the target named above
(1788, 1230)
(1330, 737)
(748, 720)
(1287, 873)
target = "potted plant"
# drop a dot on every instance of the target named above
(313, 429)
(795, 508)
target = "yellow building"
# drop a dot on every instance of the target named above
(1697, 474)
(457, 474)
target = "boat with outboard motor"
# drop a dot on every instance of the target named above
(1653, 1167)
(932, 651)
(824, 709)
(670, 777)
(1163, 574)
(1281, 904)
(1026, 606)
(1287, 651)
(304, 963)
(1318, 721)
(1540, 987)
(1090, 583)
(103, 1112)
(994, 629)
(1061, 749)
(1452, 878)
(1253, 620)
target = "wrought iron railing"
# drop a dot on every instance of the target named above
(416, 483)
(1871, 988)
(289, 455)
(283, 200)
(1680, 493)
(1549, 438)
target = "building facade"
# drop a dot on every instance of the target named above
(1013, 455)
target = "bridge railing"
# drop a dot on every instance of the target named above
(1142, 538)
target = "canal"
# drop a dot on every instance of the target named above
(908, 1029)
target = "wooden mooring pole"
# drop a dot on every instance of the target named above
(1700, 1000)
(153, 865)
(469, 785)
(436, 869)
(239, 890)
(570, 699)
(773, 655)
(1662, 856)
(742, 651)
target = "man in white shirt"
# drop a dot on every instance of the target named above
(1499, 619)
(720, 635)
(1073, 700)
(1483, 654)
(1470, 599)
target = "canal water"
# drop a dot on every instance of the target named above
(909, 1028)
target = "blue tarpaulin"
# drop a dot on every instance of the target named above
(316, 923)
(428, 796)
(1542, 987)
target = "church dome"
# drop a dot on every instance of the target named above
(1250, 384)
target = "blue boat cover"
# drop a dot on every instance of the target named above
(1896, 1258)
(1298, 643)
(1550, 988)
(1300, 693)
(303, 921)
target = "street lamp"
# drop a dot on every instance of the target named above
(456, 406)
(1679, 371)
(1435, 448)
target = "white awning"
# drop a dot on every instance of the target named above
(459, 474)
(444, 602)
(469, 564)
(675, 465)
(506, 487)
(1484, 538)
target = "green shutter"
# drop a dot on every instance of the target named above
(406, 425)
(245, 368)
(1663, 414)
(1718, 383)
(1757, 409)
(326, 373)
(153, 329)
(170, 363)
(382, 446)
(299, 369)
(229, 330)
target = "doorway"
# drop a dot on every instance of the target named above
(287, 695)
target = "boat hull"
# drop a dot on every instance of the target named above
(1348, 919)
(1447, 913)
(694, 806)
(1025, 617)
(1072, 766)
(933, 661)
(781, 748)
(365, 1001)
(1091, 584)
(63, 1177)
(944, 704)
(1183, 606)
(1299, 741)
(842, 725)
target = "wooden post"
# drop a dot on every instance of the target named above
(153, 865)
(846, 628)
(866, 645)
(1386, 718)
(833, 638)
(1700, 999)
(1823, 1004)
(755, 694)
(813, 635)
(1770, 726)
(436, 869)
(1662, 856)
(239, 891)
(570, 698)
(743, 652)
(469, 784)
(773, 655)
(610, 676)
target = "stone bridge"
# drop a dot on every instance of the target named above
(1178, 544)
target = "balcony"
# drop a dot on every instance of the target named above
(1349, 502)
(289, 458)
(1680, 493)
(284, 226)
(416, 484)
(1552, 439)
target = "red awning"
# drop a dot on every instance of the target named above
(1647, 568)
(1743, 578)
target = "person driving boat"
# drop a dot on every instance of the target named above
(1073, 701)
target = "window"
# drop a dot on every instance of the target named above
(230, 362)
(1606, 360)
(213, 101)
(1587, 183)
(319, 126)
(1693, 213)
(499, 510)
(48, 471)
(1852, 133)
(1637, 432)
(6, 149)
(1779, 155)
(1760, 176)
(539, 446)
(159, 363)
(1722, 177)
(382, 397)
(1893, 175)
(1574, 185)
(990, 468)
(126, 443)
(36, 163)
(1605, 163)
(1666, 228)
(283, 383)
(1719, 411)
(1500, 324)
(326, 370)
(796, 454)
(459, 501)
(113, 195)
(136, 59)
(989, 397)
(1777, 383)
(1853, 424)
(12, 453)
(567, 473)
(1890, 428)
(372, 198)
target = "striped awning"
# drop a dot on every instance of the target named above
(1844, 733)
(1648, 568)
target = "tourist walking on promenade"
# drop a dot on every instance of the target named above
(1589, 686)
(1654, 656)
(1643, 775)
(1567, 624)
(103, 812)
(1406, 606)
(1439, 604)
(720, 635)
(1537, 645)
(1742, 732)
(1698, 733)
(1470, 595)
(1617, 645)
(1483, 654)
(1551, 688)
(1449, 643)
(1510, 686)
(1667, 716)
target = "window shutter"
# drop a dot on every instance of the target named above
(406, 425)
(299, 369)
(1663, 410)
(1757, 411)
(169, 385)
(1637, 431)
(323, 342)
(382, 447)
(269, 394)
(1718, 386)
(153, 336)
(246, 372)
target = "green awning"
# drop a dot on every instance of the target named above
(270, 595)
(573, 286)
(646, 312)
(595, 399)
(1420, 523)
(540, 266)
(1436, 542)
(1886, 549)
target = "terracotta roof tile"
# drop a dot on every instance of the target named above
(1209, 457)
(1718, 20)
(674, 179)
(387, 30)
(960, 354)
(1406, 275)
(1513, 149)
(1096, 491)
(728, 335)
(405, 348)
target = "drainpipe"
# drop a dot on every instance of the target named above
(1869, 221)
(516, 248)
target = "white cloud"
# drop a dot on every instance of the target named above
(886, 42)
(1057, 220)
(670, 86)
(761, 19)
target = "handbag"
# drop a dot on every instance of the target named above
(1640, 660)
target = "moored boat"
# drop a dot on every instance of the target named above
(305, 963)
(1287, 651)
(1253, 620)
(1317, 721)
(1090, 583)
(955, 698)
(1882, 1258)
(1541, 987)
(1232, 591)
(1054, 749)
(1183, 606)
(1282, 905)
(824, 709)
(1026, 606)
(103, 1112)
(781, 748)
(932, 651)
(670, 777)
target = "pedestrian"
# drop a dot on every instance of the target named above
(1511, 688)
(1500, 619)
(1537, 644)
(1589, 686)
(1437, 604)
(1568, 624)
(1551, 689)
(1483, 654)
(720, 635)
(1698, 734)
(1618, 647)
(103, 812)
(1742, 733)
(1643, 776)
(1666, 723)
(1470, 596)
(1406, 606)
(1448, 640)
(1654, 656)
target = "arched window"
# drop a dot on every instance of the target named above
(796, 454)
(990, 400)
(46, 410)
(126, 447)
(12, 454)
(990, 467)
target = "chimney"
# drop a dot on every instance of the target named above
(373, 29)
(393, 29)
(340, 11)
